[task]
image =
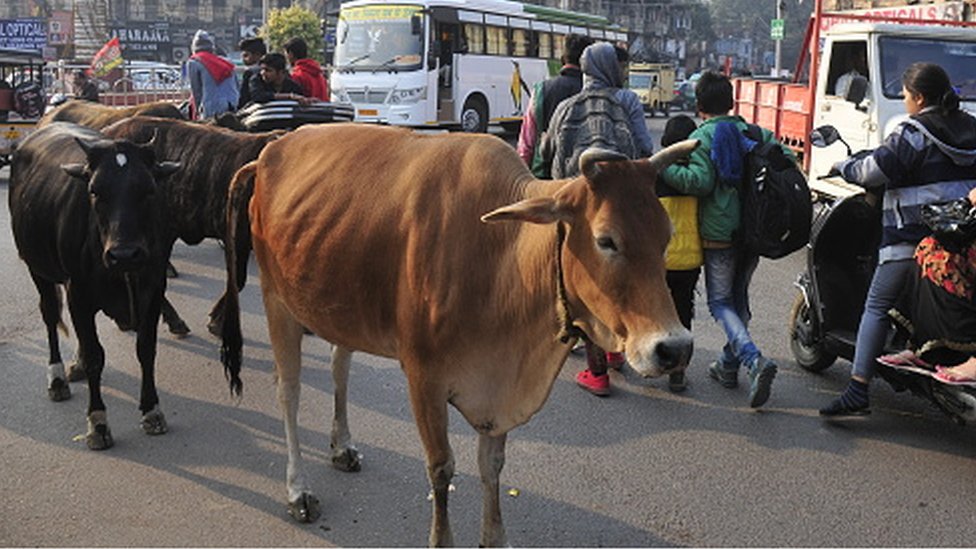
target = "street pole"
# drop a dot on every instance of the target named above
(264, 11)
(779, 43)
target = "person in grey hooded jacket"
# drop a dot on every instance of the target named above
(602, 66)
(213, 84)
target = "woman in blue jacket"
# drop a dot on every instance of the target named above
(930, 157)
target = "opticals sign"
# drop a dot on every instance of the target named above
(25, 33)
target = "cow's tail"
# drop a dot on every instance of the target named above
(238, 194)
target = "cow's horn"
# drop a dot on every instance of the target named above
(85, 145)
(664, 158)
(152, 140)
(591, 156)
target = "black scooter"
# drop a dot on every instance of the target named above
(841, 258)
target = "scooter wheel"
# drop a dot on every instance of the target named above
(807, 347)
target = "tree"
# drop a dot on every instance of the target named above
(291, 22)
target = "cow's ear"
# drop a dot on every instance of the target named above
(79, 171)
(164, 169)
(534, 210)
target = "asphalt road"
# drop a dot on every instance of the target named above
(643, 467)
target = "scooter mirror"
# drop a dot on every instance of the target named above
(824, 136)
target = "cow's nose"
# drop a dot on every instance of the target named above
(126, 257)
(673, 352)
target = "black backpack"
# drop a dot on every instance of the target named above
(776, 207)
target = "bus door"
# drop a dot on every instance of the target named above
(445, 40)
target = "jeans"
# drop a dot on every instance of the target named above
(886, 286)
(728, 272)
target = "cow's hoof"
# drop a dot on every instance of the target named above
(179, 329)
(348, 460)
(154, 422)
(76, 372)
(59, 390)
(100, 438)
(305, 508)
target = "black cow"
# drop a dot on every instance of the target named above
(85, 214)
(195, 198)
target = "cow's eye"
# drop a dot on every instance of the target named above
(606, 243)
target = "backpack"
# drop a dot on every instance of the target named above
(776, 207)
(591, 118)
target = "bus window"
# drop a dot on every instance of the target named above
(520, 42)
(545, 45)
(475, 36)
(497, 41)
(559, 46)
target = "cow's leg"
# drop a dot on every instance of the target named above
(345, 456)
(92, 355)
(57, 382)
(491, 459)
(172, 319)
(430, 410)
(153, 421)
(286, 343)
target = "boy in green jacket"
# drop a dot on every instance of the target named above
(714, 174)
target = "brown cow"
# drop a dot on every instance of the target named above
(97, 116)
(370, 237)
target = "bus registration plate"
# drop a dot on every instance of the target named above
(368, 112)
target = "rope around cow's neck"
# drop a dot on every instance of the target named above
(133, 319)
(567, 330)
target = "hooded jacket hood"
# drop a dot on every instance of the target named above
(600, 67)
(202, 41)
(307, 66)
(953, 133)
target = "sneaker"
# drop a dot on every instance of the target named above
(677, 382)
(615, 361)
(761, 374)
(726, 377)
(837, 408)
(599, 385)
(579, 348)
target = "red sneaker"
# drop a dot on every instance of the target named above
(615, 360)
(598, 385)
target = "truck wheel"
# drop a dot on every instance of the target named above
(808, 351)
(474, 116)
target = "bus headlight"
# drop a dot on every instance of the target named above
(408, 95)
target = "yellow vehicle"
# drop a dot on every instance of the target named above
(654, 84)
(21, 98)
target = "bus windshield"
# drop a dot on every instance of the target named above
(380, 37)
(956, 57)
(640, 81)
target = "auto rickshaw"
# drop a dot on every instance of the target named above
(22, 98)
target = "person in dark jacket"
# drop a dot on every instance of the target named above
(928, 158)
(274, 82)
(306, 72)
(545, 97)
(85, 88)
(252, 50)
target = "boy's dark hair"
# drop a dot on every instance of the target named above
(253, 45)
(678, 128)
(575, 44)
(713, 93)
(274, 61)
(297, 47)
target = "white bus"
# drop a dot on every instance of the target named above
(450, 63)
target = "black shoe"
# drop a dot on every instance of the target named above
(837, 408)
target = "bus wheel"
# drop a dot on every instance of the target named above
(474, 116)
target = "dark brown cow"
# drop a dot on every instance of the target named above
(97, 116)
(195, 198)
(373, 238)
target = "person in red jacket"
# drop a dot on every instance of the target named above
(306, 72)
